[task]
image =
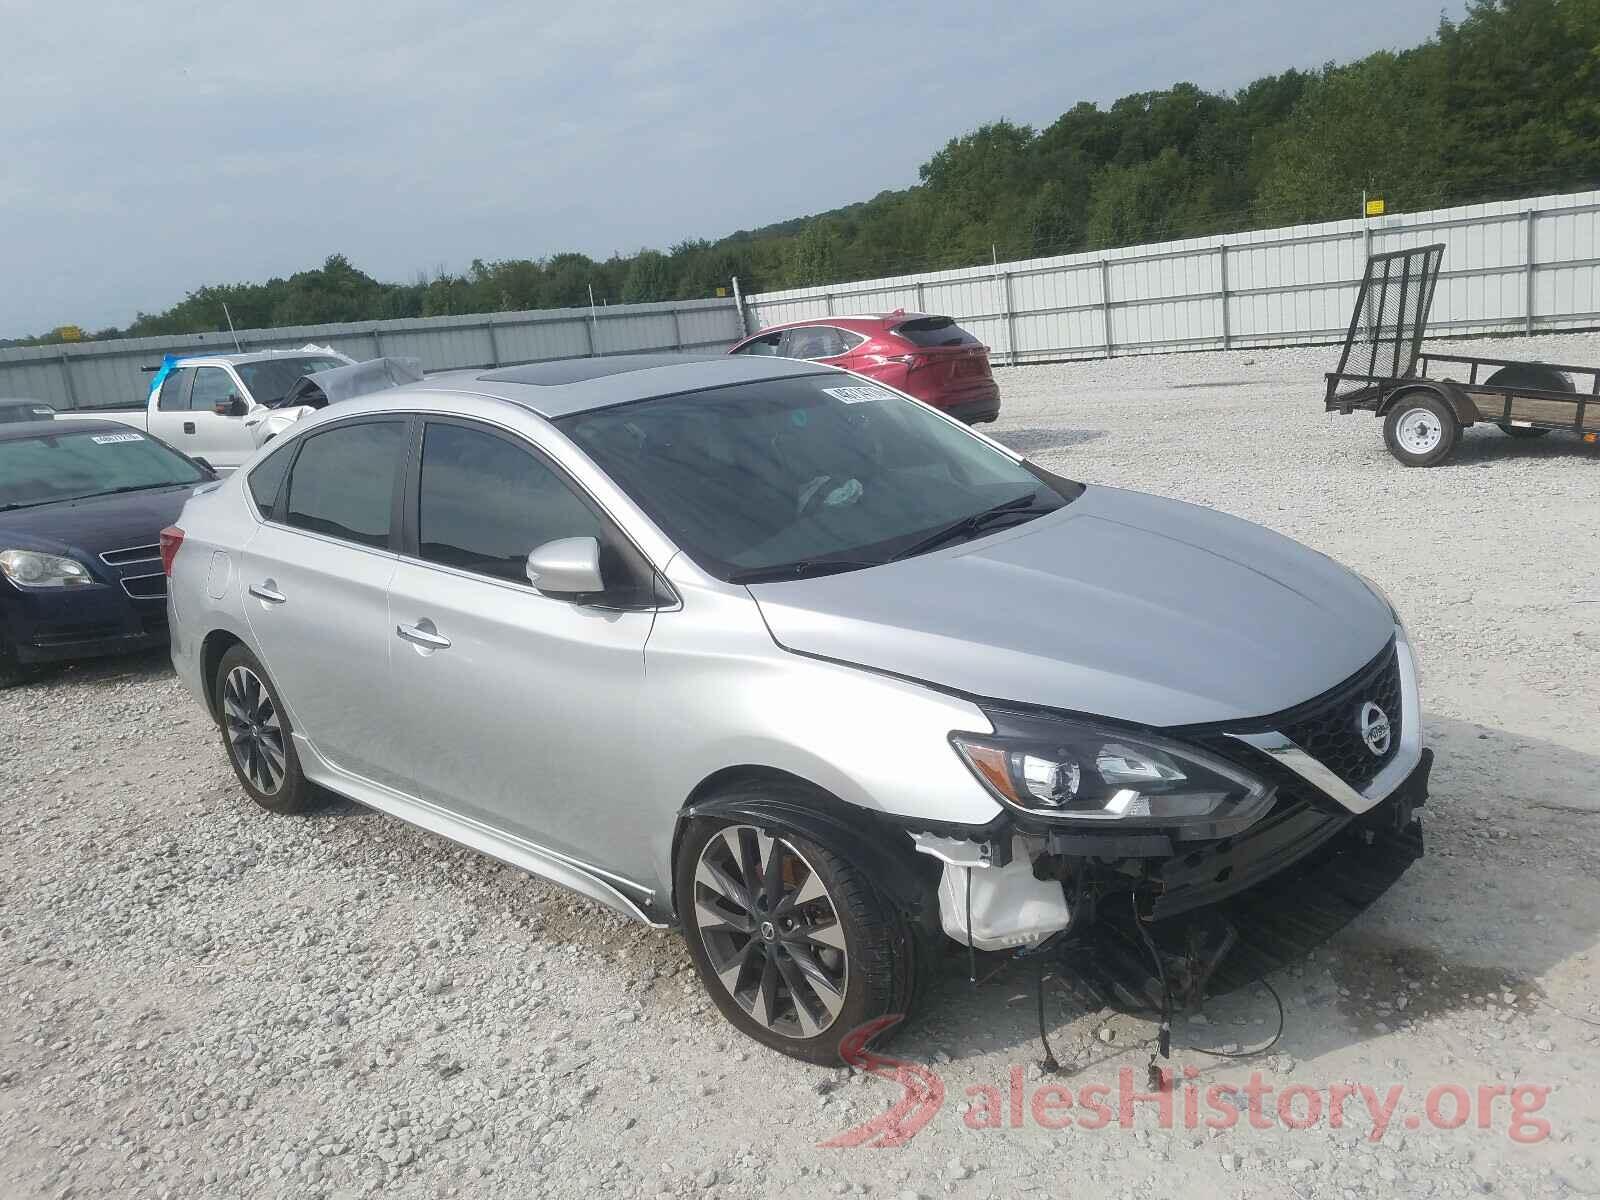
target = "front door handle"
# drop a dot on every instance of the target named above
(188, 426)
(429, 638)
(268, 592)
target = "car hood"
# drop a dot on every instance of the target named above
(1120, 604)
(91, 527)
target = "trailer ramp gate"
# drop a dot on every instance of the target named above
(1391, 314)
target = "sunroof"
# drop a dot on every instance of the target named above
(577, 370)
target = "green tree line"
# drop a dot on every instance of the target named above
(1503, 103)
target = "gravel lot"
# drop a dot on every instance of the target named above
(200, 999)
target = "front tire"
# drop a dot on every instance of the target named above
(794, 943)
(258, 737)
(1421, 430)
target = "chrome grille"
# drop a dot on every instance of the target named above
(145, 587)
(132, 554)
(1331, 732)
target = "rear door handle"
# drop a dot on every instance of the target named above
(188, 426)
(266, 591)
(426, 638)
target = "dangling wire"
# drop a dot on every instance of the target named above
(1164, 1036)
(1049, 1066)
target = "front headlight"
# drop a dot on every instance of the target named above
(1085, 775)
(29, 568)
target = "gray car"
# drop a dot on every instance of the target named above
(786, 659)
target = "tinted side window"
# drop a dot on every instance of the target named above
(765, 346)
(485, 503)
(172, 390)
(342, 483)
(212, 385)
(266, 480)
(813, 341)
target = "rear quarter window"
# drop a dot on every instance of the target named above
(266, 480)
(342, 482)
(934, 331)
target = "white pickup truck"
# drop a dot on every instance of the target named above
(219, 407)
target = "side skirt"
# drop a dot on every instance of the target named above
(507, 848)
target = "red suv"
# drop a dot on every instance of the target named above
(931, 358)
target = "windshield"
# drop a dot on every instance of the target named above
(71, 466)
(768, 480)
(270, 379)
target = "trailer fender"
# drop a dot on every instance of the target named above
(1447, 390)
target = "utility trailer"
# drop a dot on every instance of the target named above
(1426, 400)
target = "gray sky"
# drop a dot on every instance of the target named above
(152, 148)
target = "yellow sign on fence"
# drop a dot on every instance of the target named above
(1375, 206)
(69, 333)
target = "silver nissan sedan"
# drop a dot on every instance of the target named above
(791, 661)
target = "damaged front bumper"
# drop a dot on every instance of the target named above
(1025, 880)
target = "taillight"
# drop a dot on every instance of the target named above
(171, 539)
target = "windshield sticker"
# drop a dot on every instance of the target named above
(857, 395)
(110, 439)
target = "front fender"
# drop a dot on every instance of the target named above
(1448, 390)
(877, 845)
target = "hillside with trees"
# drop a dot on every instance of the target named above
(1504, 103)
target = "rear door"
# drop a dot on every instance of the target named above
(520, 710)
(170, 412)
(815, 343)
(316, 577)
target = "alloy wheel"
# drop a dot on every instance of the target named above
(771, 931)
(255, 734)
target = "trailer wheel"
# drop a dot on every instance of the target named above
(1421, 430)
(1530, 375)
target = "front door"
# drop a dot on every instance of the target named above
(520, 710)
(222, 440)
(316, 577)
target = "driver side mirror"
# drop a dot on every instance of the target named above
(567, 568)
(233, 406)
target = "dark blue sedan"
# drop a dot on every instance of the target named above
(82, 507)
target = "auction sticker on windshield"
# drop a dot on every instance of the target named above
(109, 439)
(856, 395)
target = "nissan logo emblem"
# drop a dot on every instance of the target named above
(1375, 731)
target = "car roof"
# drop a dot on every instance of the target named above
(567, 386)
(20, 430)
(252, 356)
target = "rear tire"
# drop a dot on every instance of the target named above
(258, 737)
(1421, 430)
(802, 964)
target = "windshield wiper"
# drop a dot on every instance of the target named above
(116, 491)
(808, 568)
(967, 527)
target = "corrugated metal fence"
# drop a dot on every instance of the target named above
(1521, 265)
(107, 374)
